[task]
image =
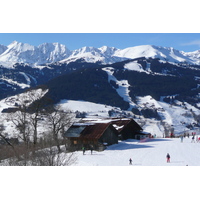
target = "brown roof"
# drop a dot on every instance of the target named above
(94, 131)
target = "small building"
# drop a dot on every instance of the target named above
(127, 128)
(143, 135)
(92, 135)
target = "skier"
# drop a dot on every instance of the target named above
(181, 138)
(168, 158)
(91, 148)
(193, 139)
(83, 150)
(130, 161)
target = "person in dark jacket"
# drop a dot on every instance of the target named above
(83, 150)
(130, 161)
(91, 148)
(193, 139)
(168, 158)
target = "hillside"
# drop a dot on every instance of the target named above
(141, 77)
(161, 119)
(23, 76)
(138, 90)
(87, 84)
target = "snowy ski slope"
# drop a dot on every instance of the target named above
(149, 153)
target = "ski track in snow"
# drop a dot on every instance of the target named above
(26, 77)
(123, 90)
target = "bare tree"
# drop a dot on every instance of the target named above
(28, 112)
(36, 112)
(58, 122)
(20, 118)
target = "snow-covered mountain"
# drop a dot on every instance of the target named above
(168, 54)
(18, 52)
(194, 54)
(104, 55)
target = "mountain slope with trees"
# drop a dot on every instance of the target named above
(91, 84)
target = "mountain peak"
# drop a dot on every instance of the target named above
(18, 46)
(14, 42)
(108, 50)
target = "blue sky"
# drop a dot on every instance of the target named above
(119, 24)
(181, 41)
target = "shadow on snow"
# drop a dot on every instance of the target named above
(134, 144)
(127, 145)
(158, 140)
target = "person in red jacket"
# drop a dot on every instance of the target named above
(168, 158)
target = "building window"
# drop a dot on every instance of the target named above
(75, 141)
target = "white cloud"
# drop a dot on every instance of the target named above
(195, 42)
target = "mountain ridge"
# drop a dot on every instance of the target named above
(48, 53)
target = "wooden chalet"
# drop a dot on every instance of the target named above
(128, 129)
(94, 136)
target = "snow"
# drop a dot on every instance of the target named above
(92, 109)
(137, 51)
(18, 52)
(134, 66)
(174, 115)
(153, 128)
(123, 86)
(92, 55)
(164, 53)
(22, 85)
(10, 103)
(150, 153)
